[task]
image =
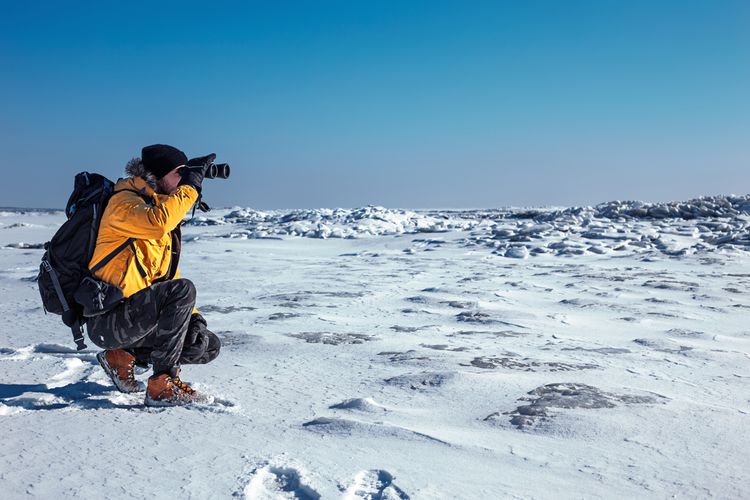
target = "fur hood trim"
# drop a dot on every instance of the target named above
(135, 168)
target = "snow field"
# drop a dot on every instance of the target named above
(402, 367)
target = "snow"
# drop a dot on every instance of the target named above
(596, 352)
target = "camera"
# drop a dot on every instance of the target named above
(214, 170)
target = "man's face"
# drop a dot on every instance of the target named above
(168, 183)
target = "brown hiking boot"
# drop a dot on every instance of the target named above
(164, 390)
(119, 365)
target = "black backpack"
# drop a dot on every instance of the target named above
(66, 260)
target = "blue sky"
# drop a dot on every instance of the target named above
(403, 104)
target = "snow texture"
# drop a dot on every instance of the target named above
(595, 352)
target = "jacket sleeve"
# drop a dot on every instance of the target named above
(135, 218)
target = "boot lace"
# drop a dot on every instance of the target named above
(182, 386)
(131, 370)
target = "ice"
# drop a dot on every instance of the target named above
(595, 352)
(675, 229)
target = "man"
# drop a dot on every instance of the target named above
(157, 322)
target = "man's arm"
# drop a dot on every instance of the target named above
(137, 219)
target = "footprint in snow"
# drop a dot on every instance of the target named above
(75, 383)
(272, 482)
(374, 485)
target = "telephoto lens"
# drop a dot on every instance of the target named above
(220, 170)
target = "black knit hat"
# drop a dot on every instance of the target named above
(160, 159)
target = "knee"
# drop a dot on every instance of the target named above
(184, 288)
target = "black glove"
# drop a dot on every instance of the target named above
(197, 325)
(192, 176)
(194, 173)
(201, 161)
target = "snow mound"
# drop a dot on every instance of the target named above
(335, 223)
(675, 229)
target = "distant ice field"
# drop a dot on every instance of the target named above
(596, 352)
(676, 228)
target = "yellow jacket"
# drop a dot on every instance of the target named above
(128, 215)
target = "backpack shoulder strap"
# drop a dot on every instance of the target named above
(127, 243)
(111, 255)
(142, 194)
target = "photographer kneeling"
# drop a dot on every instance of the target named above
(157, 323)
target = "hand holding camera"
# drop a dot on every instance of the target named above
(202, 167)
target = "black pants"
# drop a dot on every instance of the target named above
(155, 325)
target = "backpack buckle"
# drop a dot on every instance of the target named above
(77, 330)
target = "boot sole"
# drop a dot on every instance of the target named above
(161, 403)
(166, 402)
(114, 378)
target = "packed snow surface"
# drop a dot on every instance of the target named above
(597, 352)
